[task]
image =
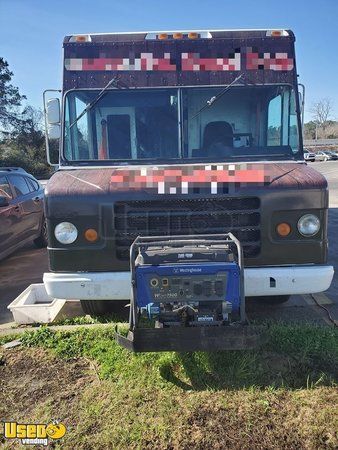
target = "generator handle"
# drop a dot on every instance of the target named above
(241, 275)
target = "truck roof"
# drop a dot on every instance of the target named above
(208, 34)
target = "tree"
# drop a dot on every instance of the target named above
(10, 98)
(22, 140)
(310, 130)
(24, 146)
(321, 112)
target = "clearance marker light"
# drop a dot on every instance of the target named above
(81, 38)
(163, 36)
(178, 35)
(193, 35)
(277, 33)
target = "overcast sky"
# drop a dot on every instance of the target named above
(31, 33)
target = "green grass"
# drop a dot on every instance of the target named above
(280, 396)
(292, 356)
(88, 320)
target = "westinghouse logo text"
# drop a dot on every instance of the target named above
(34, 434)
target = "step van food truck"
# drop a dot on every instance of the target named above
(182, 133)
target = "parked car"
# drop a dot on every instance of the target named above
(309, 156)
(333, 155)
(21, 210)
(322, 156)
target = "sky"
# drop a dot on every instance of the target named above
(32, 31)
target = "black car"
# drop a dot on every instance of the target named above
(21, 211)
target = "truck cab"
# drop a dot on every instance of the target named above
(182, 133)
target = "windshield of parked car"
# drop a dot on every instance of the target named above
(247, 122)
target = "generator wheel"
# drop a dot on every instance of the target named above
(274, 299)
(106, 308)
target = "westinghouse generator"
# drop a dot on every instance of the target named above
(187, 295)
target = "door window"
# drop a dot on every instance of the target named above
(275, 121)
(19, 184)
(293, 124)
(5, 189)
(33, 185)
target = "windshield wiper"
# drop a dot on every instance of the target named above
(113, 82)
(212, 100)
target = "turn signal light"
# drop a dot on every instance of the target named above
(91, 235)
(283, 229)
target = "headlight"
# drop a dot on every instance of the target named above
(65, 232)
(308, 225)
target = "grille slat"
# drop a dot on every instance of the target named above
(188, 216)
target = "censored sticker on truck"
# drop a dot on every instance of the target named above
(183, 180)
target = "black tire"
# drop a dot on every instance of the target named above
(42, 240)
(272, 299)
(106, 308)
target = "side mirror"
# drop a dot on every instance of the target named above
(3, 201)
(52, 127)
(53, 111)
(54, 131)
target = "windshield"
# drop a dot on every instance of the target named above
(246, 122)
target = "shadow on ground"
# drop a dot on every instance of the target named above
(291, 356)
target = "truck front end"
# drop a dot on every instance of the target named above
(185, 133)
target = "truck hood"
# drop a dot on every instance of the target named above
(183, 179)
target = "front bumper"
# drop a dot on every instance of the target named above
(258, 281)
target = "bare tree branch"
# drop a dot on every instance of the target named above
(321, 112)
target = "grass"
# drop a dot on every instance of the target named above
(281, 396)
(293, 356)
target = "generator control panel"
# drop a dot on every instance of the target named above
(199, 282)
(186, 288)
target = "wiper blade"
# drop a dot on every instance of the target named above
(113, 82)
(212, 100)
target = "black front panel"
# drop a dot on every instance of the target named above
(251, 218)
(239, 215)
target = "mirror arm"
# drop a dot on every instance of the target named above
(302, 103)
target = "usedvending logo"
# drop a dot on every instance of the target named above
(34, 434)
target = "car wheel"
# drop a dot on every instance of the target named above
(42, 240)
(272, 299)
(106, 308)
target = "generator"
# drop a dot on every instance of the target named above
(187, 294)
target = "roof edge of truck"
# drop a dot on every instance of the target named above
(215, 33)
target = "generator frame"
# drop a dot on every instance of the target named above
(236, 336)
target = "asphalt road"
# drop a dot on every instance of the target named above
(27, 266)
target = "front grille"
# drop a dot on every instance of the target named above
(241, 216)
